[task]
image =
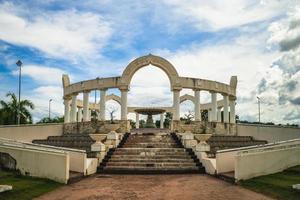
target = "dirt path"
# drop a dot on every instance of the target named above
(150, 187)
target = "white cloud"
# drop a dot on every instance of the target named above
(42, 75)
(40, 97)
(68, 34)
(216, 14)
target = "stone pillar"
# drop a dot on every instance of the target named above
(213, 106)
(225, 110)
(79, 115)
(86, 96)
(197, 106)
(67, 103)
(73, 108)
(232, 111)
(124, 104)
(90, 115)
(137, 120)
(219, 118)
(176, 105)
(102, 105)
(209, 115)
(162, 120)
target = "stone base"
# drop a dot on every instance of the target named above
(201, 127)
(96, 127)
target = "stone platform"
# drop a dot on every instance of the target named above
(150, 153)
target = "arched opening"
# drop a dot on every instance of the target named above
(113, 110)
(187, 106)
(149, 87)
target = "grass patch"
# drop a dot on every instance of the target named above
(277, 185)
(25, 187)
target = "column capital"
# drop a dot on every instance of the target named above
(176, 89)
(196, 89)
(224, 94)
(124, 88)
(67, 98)
(103, 89)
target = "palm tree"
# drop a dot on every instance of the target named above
(9, 110)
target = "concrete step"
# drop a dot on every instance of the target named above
(150, 145)
(145, 160)
(152, 164)
(150, 156)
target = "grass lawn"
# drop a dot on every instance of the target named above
(277, 185)
(25, 187)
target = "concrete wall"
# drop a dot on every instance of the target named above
(39, 162)
(27, 133)
(269, 133)
(225, 159)
(77, 158)
(263, 161)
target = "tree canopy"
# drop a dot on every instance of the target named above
(9, 110)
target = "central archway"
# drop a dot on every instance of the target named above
(143, 61)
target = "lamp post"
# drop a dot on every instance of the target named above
(50, 100)
(19, 64)
(258, 102)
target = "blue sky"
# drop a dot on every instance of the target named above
(256, 40)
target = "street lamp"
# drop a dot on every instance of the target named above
(19, 64)
(258, 102)
(50, 108)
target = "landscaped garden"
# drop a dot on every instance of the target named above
(24, 187)
(277, 185)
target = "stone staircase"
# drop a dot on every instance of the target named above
(76, 141)
(220, 142)
(150, 153)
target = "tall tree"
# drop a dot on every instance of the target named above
(9, 110)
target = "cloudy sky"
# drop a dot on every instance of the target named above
(257, 40)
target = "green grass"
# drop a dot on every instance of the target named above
(277, 185)
(25, 187)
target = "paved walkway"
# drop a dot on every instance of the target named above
(150, 187)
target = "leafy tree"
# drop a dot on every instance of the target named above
(142, 123)
(9, 110)
(168, 119)
(51, 120)
(132, 123)
(157, 123)
(188, 117)
(204, 115)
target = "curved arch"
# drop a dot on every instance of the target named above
(157, 61)
(187, 97)
(113, 97)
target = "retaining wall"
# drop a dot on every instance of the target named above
(268, 133)
(27, 133)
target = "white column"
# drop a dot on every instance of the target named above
(67, 103)
(197, 106)
(225, 110)
(79, 115)
(176, 105)
(137, 120)
(162, 120)
(90, 115)
(219, 118)
(209, 115)
(213, 106)
(232, 111)
(102, 105)
(73, 108)
(86, 96)
(124, 104)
